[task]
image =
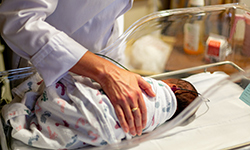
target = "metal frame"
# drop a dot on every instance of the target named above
(205, 67)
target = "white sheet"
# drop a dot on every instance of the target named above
(225, 124)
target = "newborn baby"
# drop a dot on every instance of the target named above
(184, 91)
(73, 112)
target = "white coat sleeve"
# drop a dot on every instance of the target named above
(23, 27)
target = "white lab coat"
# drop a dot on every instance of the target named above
(54, 34)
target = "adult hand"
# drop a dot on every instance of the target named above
(123, 88)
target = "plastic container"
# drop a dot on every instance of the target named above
(166, 29)
(193, 31)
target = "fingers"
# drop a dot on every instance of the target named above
(129, 120)
(144, 85)
(124, 92)
(138, 122)
(138, 118)
(121, 118)
(142, 111)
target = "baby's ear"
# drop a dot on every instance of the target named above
(174, 88)
(171, 85)
(168, 83)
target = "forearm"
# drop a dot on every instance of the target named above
(94, 67)
(23, 27)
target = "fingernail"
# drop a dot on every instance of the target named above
(133, 133)
(126, 130)
(139, 133)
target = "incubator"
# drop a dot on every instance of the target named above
(153, 46)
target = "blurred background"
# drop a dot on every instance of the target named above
(144, 7)
(140, 8)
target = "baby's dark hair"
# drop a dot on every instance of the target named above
(185, 93)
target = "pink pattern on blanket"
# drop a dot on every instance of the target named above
(62, 105)
(39, 107)
(37, 126)
(40, 82)
(19, 128)
(52, 135)
(98, 93)
(65, 123)
(12, 113)
(62, 86)
(90, 133)
(22, 127)
(153, 121)
(80, 120)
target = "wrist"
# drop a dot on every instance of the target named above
(95, 67)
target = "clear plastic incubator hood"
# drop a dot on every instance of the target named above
(157, 43)
(207, 46)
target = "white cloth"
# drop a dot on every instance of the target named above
(55, 34)
(73, 113)
(220, 125)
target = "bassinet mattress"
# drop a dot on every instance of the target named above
(226, 123)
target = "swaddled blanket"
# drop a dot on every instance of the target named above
(73, 113)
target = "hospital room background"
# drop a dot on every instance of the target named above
(155, 31)
(140, 8)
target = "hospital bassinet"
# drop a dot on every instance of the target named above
(153, 46)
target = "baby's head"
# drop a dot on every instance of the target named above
(184, 91)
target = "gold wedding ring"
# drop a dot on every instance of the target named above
(134, 109)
